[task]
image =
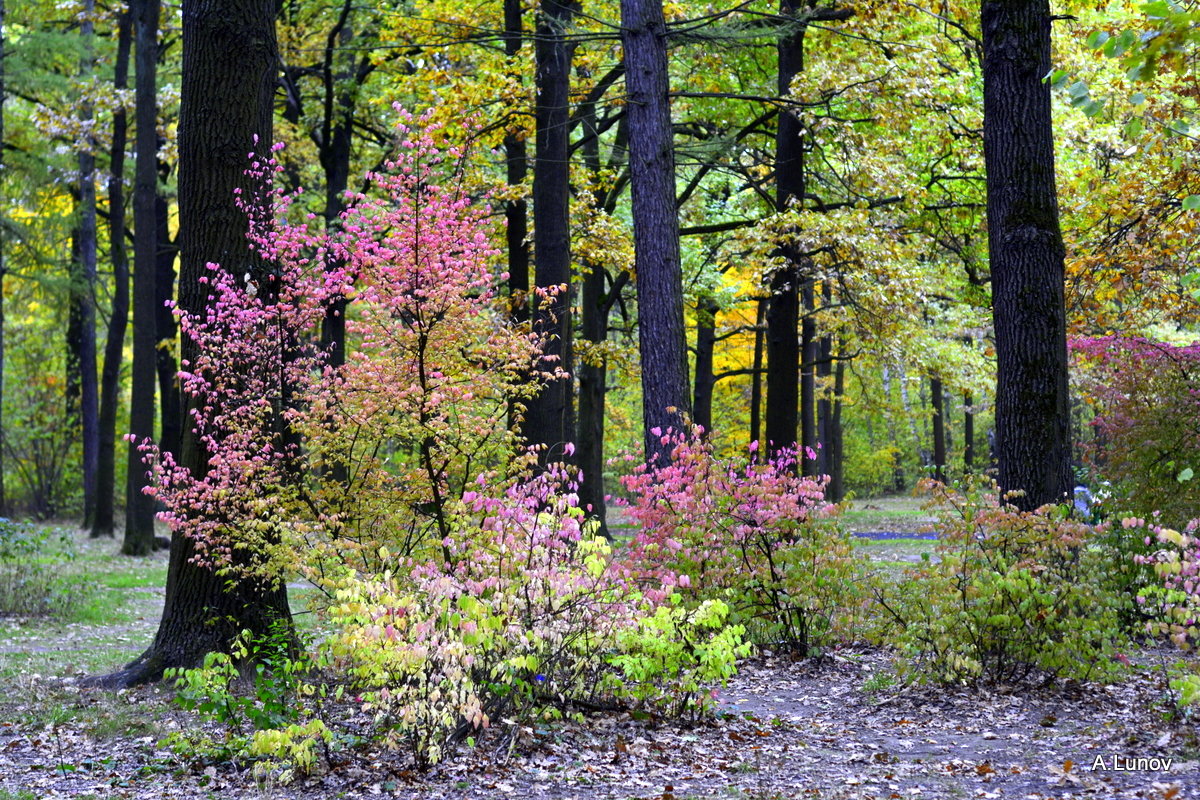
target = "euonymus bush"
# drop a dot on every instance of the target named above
(752, 534)
(534, 621)
(1012, 596)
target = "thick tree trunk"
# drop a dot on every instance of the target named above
(516, 158)
(783, 312)
(938, 396)
(83, 287)
(229, 67)
(1033, 433)
(706, 340)
(593, 373)
(549, 417)
(139, 508)
(662, 339)
(103, 521)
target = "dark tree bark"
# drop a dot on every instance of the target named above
(706, 340)
(516, 158)
(114, 345)
(82, 335)
(593, 372)
(662, 339)
(596, 302)
(756, 377)
(1033, 434)
(830, 370)
(836, 490)
(166, 326)
(824, 376)
(229, 69)
(938, 398)
(968, 433)
(139, 508)
(549, 417)
(783, 311)
(810, 355)
(336, 137)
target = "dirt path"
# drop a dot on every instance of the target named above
(786, 730)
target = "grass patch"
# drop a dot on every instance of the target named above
(22, 795)
(894, 514)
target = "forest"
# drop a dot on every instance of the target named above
(601, 399)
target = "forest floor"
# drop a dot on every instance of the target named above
(835, 727)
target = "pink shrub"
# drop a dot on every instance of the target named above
(750, 532)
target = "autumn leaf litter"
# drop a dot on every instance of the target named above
(785, 729)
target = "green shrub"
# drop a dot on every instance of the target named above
(30, 581)
(1013, 596)
(260, 693)
(669, 659)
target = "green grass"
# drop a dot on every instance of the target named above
(22, 795)
(893, 514)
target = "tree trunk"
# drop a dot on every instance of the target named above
(594, 308)
(114, 344)
(549, 418)
(824, 375)
(783, 312)
(337, 132)
(1033, 433)
(662, 339)
(756, 378)
(968, 434)
(83, 286)
(706, 340)
(938, 397)
(228, 79)
(808, 384)
(516, 212)
(170, 406)
(836, 491)
(139, 508)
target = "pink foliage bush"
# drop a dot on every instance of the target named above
(750, 532)
(392, 439)
(1146, 397)
(1174, 603)
(461, 586)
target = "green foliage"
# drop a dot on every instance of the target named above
(1013, 596)
(433, 657)
(30, 580)
(669, 658)
(257, 693)
(1128, 573)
